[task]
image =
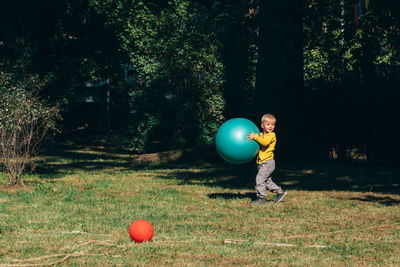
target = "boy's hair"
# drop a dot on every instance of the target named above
(268, 116)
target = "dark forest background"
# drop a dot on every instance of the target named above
(166, 74)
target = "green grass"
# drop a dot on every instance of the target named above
(83, 202)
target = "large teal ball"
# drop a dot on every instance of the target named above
(231, 141)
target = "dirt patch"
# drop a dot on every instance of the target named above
(15, 188)
(174, 156)
(160, 157)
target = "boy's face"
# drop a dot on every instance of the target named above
(268, 126)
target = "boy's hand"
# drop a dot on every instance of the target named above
(251, 136)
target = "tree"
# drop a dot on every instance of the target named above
(239, 30)
(351, 76)
(176, 99)
(279, 84)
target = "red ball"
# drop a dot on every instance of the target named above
(141, 230)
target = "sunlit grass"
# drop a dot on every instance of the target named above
(84, 212)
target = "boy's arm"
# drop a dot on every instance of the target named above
(265, 140)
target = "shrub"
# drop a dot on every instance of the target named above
(24, 121)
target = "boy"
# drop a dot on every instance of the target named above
(265, 160)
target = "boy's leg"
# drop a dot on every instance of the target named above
(273, 187)
(269, 184)
(265, 170)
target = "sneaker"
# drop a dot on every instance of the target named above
(258, 201)
(280, 196)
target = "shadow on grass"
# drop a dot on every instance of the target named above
(322, 177)
(232, 195)
(100, 155)
(383, 200)
(96, 153)
(82, 154)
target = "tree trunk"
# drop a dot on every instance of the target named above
(239, 56)
(279, 86)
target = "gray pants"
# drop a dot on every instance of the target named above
(264, 180)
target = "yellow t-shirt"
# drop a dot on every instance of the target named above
(267, 146)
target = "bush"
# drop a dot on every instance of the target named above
(24, 121)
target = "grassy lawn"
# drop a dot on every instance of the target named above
(83, 200)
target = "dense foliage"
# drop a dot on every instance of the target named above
(351, 72)
(168, 73)
(175, 98)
